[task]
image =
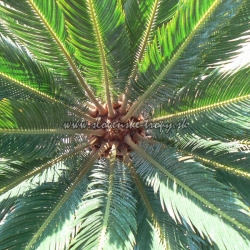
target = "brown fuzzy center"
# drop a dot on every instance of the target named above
(115, 131)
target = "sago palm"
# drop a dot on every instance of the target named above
(120, 128)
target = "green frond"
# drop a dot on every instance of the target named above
(159, 228)
(179, 236)
(230, 160)
(60, 196)
(10, 169)
(21, 76)
(8, 91)
(5, 32)
(11, 88)
(45, 21)
(38, 205)
(212, 209)
(110, 188)
(26, 125)
(32, 115)
(177, 51)
(227, 123)
(239, 183)
(155, 227)
(230, 39)
(20, 147)
(14, 173)
(142, 19)
(230, 156)
(207, 92)
(8, 199)
(17, 64)
(95, 33)
(218, 107)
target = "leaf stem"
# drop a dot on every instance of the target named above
(111, 111)
(139, 102)
(85, 168)
(68, 57)
(47, 165)
(147, 204)
(139, 56)
(47, 97)
(217, 165)
(109, 198)
(138, 137)
(218, 211)
(98, 132)
(201, 109)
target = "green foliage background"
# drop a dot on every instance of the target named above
(188, 189)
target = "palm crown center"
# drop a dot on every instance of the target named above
(114, 130)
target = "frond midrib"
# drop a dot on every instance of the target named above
(103, 57)
(44, 166)
(148, 205)
(65, 197)
(201, 109)
(144, 41)
(67, 56)
(191, 192)
(226, 168)
(108, 206)
(44, 96)
(140, 53)
(137, 104)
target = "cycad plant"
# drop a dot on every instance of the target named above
(120, 128)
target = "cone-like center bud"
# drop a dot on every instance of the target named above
(115, 130)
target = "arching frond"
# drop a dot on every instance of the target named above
(26, 125)
(10, 195)
(166, 177)
(21, 75)
(109, 194)
(104, 63)
(13, 173)
(23, 18)
(206, 92)
(143, 18)
(153, 230)
(57, 213)
(219, 107)
(17, 64)
(38, 205)
(230, 160)
(176, 54)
